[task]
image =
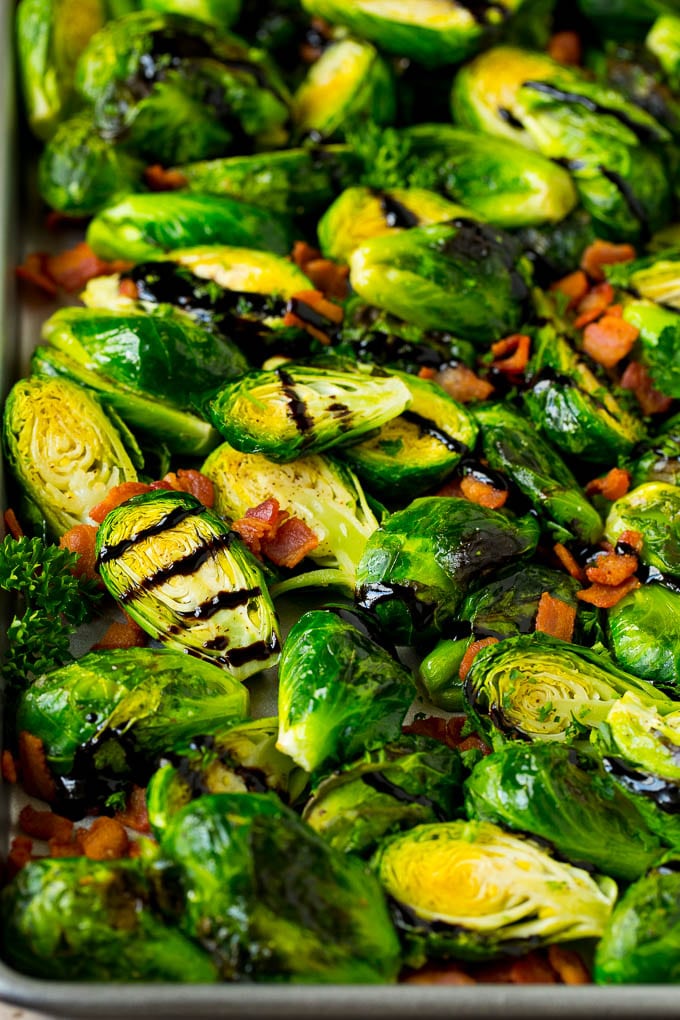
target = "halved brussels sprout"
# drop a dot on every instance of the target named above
(220, 13)
(554, 250)
(188, 581)
(643, 628)
(652, 509)
(339, 692)
(663, 40)
(645, 735)
(655, 277)
(83, 920)
(460, 276)
(470, 890)
(63, 449)
(658, 345)
(301, 409)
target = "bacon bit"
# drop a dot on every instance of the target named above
(135, 848)
(115, 496)
(12, 524)
(193, 482)
(105, 840)
(447, 731)
(604, 253)
(33, 270)
(81, 540)
(157, 178)
(604, 596)
(73, 268)
(569, 965)
(568, 562)
(609, 340)
(315, 299)
(631, 539)
(574, 286)
(461, 383)
(613, 485)
(45, 825)
(532, 969)
(451, 488)
(269, 512)
(438, 974)
(473, 742)
(122, 635)
(20, 853)
(427, 373)
(616, 311)
(555, 617)
(482, 493)
(612, 568)
(8, 767)
(251, 532)
(328, 277)
(135, 815)
(303, 253)
(64, 849)
(128, 288)
(471, 653)
(35, 772)
(565, 48)
(292, 542)
(511, 354)
(637, 378)
(591, 307)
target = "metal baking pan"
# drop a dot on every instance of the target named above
(21, 230)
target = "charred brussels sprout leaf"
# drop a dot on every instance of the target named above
(652, 509)
(273, 900)
(188, 581)
(63, 449)
(470, 890)
(339, 692)
(77, 919)
(643, 629)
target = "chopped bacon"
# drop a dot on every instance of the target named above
(81, 540)
(292, 542)
(33, 270)
(568, 562)
(35, 772)
(632, 539)
(157, 178)
(511, 354)
(592, 306)
(461, 383)
(482, 493)
(20, 853)
(471, 654)
(616, 311)
(71, 269)
(555, 617)
(122, 635)
(604, 596)
(193, 482)
(135, 815)
(565, 48)
(613, 485)
(637, 378)
(12, 524)
(105, 840)
(451, 488)
(128, 288)
(45, 824)
(115, 496)
(611, 568)
(609, 340)
(532, 969)
(8, 767)
(438, 974)
(59, 848)
(574, 287)
(447, 731)
(604, 253)
(328, 277)
(569, 965)
(319, 304)
(303, 253)
(269, 512)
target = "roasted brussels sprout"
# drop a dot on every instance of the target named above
(188, 581)
(546, 791)
(142, 226)
(411, 781)
(652, 509)
(301, 409)
(646, 735)
(639, 944)
(658, 343)
(656, 277)
(643, 628)
(460, 276)
(105, 718)
(627, 19)
(220, 13)
(663, 40)
(554, 250)
(82, 920)
(659, 459)
(339, 692)
(470, 890)
(419, 565)
(63, 449)
(272, 900)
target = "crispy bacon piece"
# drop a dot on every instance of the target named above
(461, 383)
(71, 269)
(319, 304)
(604, 253)
(568, 562)
(105, 840)
(8, 767)
(565, 48)
(45, 825)
(81, 539)
(115, 496)
(69, 848)
(128, 288)
(20, 853)
(532, 969)
(611, 568)
(604, 596)
(451, 488)
(35, 773)
(193, 482)
(594, 304)
(471, 654)
(511, 354)
(569, 965)
(127, 634)
(135, 815)
(438, 974)
(574, 286)
(609, 340)
(555, 617)
(448, 731)
(33, 270)
(613, 485)
(637, 378)
(427, 372)
(631, 539)
(158, 178)
(12, 524)
(267, 530)
(482, 493)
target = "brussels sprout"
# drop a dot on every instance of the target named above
(540, 688)
(272, 900)
(419, 565)
(82, 920)
(642, 631)
(321, 492)
(410, 781)
(105, 718)
(658, 343)
(499, 180)
(640, 942)
(625, 18)
(653, 509)
(635, 73)
(645, 735)
(511, 446)
(417, 449)
(301, 409)
(220, 13)
(554, 250)
(350, 81)
(339, 692)
(359, 214)
(187, 581)
(50, 37)
(546, 791)
(663, 40)
(606, 140)
(659, 460)
(63, 449)
(656, 277)
(142, 226)
(460, 276)
(470, 890)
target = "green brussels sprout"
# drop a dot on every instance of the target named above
(460, 276)
(502, 182)
(663, 40)
(417, 449)
(360, 213)
(642, 628)
(659, 460)
(470, 890)
(348, 82)
(321, 492)
(626, 19)
(635, 73)
(639, 945)
(50, 36)
(220, 13)
(188, 582)
(104, 718)
(511, 445)
(645, 735)
(79, 173)
(302, 409)
(82, 920)
(63, 449)
(539, 688)
(408, 782)
(141, 227)
(554, 250)
(272, 900)
(607, 142)
(658, 343)
(545, 791)
(653, 509)
(655, 277)
(575, 411)
(339, 692)
(417, 568)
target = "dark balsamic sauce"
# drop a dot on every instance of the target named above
(509, 118)
(665, 794)
(629, 197)
(297, 408)
(181, 567)
(641, 131)
(379, 782)
(371, 595)
(396, 213)
(427, 427)
(169, 520)
(258, 651)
